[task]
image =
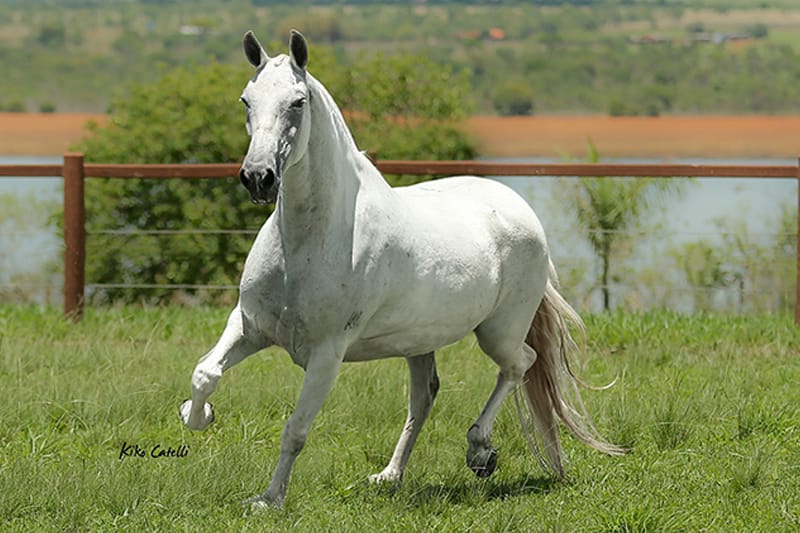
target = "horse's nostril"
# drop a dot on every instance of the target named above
(269, 178)
(243, 177)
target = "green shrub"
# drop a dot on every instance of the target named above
(513, 98)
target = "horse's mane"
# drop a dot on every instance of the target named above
(318, 90)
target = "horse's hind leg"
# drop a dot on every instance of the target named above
(424, 384)
(231, 348)
(481, 455)
(513, 361)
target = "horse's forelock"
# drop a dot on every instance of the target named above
(272, 63)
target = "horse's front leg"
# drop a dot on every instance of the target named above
(321, 371)
(231, 348)
(424, 384)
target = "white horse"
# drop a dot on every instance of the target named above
(350, 269)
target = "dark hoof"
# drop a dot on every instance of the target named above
(486, 470)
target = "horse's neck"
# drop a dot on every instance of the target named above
(318, 197)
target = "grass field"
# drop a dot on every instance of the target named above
(709, 406)
(735, 137)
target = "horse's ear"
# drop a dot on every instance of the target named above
(298, 49)
(253, 50)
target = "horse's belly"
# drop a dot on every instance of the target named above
(418, 341)
(419, 322)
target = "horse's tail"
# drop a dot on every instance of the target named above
(550, 385)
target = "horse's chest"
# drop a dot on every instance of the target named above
(298, 306)
(318, 295)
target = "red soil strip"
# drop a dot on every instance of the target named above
(42, 133)
(661, 137)
(561, 137)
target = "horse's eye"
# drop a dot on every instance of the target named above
(297, 104)
(245, 102)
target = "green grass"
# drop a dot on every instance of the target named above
(710, 406)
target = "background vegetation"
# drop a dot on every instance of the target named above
(708, 406)
(635, 262)
(609, 56)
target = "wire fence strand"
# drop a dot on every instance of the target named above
(169, 286)
(136, 231)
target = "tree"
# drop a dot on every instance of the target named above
(608, 209)
(755, 273)
(758, 30)
(318, 26)
(784, 249)
(513, 98)
(187, 116)
(706, 270)
(52, 35)
(764, 266)
(402, 107)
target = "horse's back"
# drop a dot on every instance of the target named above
(484, 208)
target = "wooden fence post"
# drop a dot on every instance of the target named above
(74, 236)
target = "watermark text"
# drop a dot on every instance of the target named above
(155, 451)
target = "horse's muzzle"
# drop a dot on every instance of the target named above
(261, 184)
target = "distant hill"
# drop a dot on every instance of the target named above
(615, 57)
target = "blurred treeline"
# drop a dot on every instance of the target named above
(605, 57)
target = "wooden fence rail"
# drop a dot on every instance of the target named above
(74, 172)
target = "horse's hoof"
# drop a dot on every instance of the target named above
(485, 468)
(258, 507)
(262, 503)
(206, 418)
(387, 477)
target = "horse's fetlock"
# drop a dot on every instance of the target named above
(477, 438)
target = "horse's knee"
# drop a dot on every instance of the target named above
(205, 379)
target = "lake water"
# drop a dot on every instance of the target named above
(754, 203)
(48, 188)
(30, 257)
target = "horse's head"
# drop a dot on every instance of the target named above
(276, 100)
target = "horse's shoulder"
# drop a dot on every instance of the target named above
(266, 254)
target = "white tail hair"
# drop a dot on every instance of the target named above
(550, 386)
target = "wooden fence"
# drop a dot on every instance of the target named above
(74, 172)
